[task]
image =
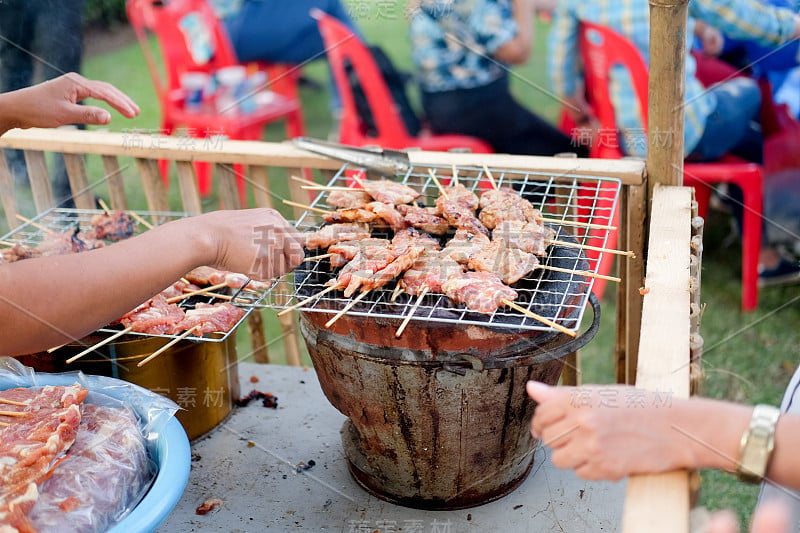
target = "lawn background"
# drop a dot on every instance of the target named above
(748, 357)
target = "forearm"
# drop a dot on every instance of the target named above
(518, 49)
(47, 301)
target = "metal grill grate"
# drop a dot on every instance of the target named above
(563, 199)
(61, 220)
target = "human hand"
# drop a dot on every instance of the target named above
(55, 103)
(606, 432)
(259, 243)
(580, 111)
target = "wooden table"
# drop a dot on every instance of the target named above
(249, 462)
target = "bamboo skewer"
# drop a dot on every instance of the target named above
(167, 346)
(103, 206)
(303, 180)
(346, 308)
(327, 188)
(308, 207)
(13, 413)
(490, 176)
(438, 184)
(99, 344)
(318, 257)
(12, 402)
(540, 318)
(34, 224)
(398, 290)
(580, 273)
(8, 243)
(591, 225)
(411, 313)
(4, 424)
(204, 290)
(588, 247)
(307, 300)
(140, 220)
(54, 348)
(455, 175)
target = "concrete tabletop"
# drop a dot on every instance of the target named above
(250, 462)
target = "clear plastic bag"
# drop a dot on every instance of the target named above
(109, 467)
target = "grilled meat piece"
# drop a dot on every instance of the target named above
(333, 233)
(390, 192)
(348, 199)
(429, 271)
(529, 237)
(464, 245)
(499, 205)
(483, 292)
(510, 264)
(422, 219)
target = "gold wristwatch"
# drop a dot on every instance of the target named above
(757, 444)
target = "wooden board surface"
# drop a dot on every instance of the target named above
(657, 503)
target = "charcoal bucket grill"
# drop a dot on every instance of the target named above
(439, 418)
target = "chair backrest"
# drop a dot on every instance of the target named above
(343, 48)
(189, 35)
(602, 50)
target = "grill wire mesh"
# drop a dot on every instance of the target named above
(62, 220)
(562, 198)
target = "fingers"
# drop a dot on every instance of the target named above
(106, 92)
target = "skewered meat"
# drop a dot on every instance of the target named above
(483, 292)
(348, 199)
(421, 218)
(529, 237)
(347, 250)
(429, 271)
(206, 275)
(155, 316)
(364, 263)
(389, 214)
(409, 236)
(210, 318)
(114, 226)
(353, 214)
(461, 218)
(178, 288)
(390, 192)
(333, 233)
(459, 195)
(402, 263)
(510, 264)
(464, 245)
(30, 445)
(498, 205)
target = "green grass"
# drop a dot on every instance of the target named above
(748, 358)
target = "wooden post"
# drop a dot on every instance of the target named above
(667, 86)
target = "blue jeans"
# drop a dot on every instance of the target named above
(41, 34)
(732, 127)
(282, 31)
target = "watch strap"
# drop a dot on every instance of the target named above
(757, 444)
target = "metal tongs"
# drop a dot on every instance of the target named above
(381, 161)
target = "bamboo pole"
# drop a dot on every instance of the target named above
(667, 87)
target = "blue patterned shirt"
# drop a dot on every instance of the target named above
(452, 42)
(745, 19)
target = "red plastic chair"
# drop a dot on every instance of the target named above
(601, 49)
(166, 20)
(344, 47)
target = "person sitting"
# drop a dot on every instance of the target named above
(718, 120)
(462, 51)
(47, 301)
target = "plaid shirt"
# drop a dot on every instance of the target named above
(745, 19)
(452, 42)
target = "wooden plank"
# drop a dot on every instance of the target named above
(259, 179)
(154, 190)
(630, 171)
(116, 187)
(7, 193)
(190, 193)
(227, 190)
(79, 181)
(657, 503)
(39, 177)
(629, 299)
